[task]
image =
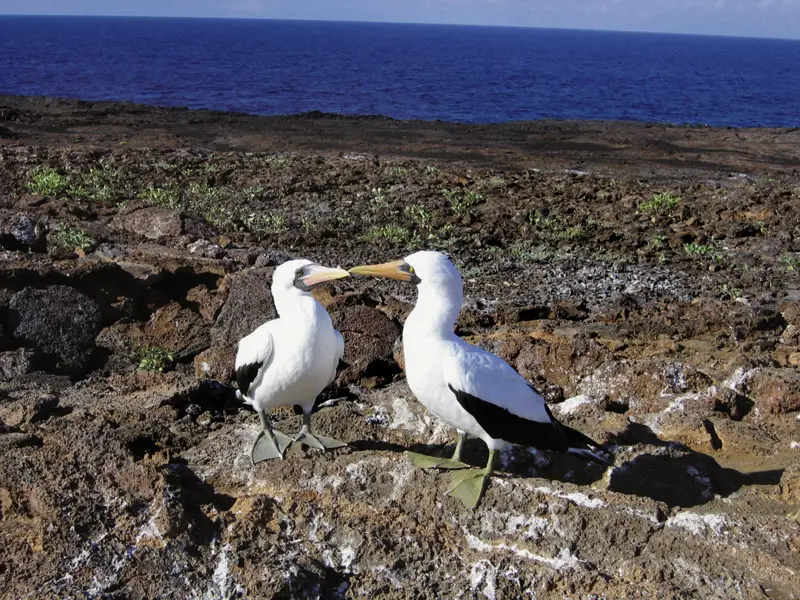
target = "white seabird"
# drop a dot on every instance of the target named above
(291, 359)
(468, 388)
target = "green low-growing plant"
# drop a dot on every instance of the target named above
(161, 196)
(524, 251)
(153, 358)
(432, 170)
(308, 222)
(730, 291)
(254, 193)
(420, 215)
(96, 185)
(660, 204)
(657, 242)
(792, 263)
(265, 223)
(203, 192)
(392, 233)
(553, 228)
(700, 250)
(396, 171)
(70, 238)
(278, 161)
(47, 181)
(461, 200)
(380, 196)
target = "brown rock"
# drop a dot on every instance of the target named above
(16, 362)
(178, 330)
(216, 363)
(152, 222)
(790, 484)
(30, 408)
(776, 390)
(208, 302)
(369, 340)
(791, 312)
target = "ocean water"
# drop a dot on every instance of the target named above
(452, 73)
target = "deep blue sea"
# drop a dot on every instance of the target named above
(452, 73)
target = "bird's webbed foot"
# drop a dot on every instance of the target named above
(320, 442)
(270, 444)
(468, 485)
(308, 438)
(423, 461)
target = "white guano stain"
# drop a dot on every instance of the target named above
(698, 524)
(575, 497)
(564, 560)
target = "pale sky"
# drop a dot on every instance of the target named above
(759, 18)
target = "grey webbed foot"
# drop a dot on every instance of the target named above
(269, 444)
(423, 461)
(320, 442)
(468, 485)
(309, 438)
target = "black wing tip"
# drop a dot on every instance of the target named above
(245, 375)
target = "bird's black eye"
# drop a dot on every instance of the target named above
(299, 273)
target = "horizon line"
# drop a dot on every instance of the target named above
(440, 24)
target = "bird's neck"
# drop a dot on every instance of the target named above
(434, 314)
(300, 304)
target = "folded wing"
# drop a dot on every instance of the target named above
(253, 357)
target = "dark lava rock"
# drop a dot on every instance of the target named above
(16, 362)
(60, 322)
(249, 305)
(23, 233)
(369, 338)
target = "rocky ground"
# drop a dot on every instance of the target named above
(645, 278)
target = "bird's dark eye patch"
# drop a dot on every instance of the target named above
(298, 279)
(407, 268)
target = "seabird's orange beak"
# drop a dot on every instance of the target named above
(317, 274)
(397, 269)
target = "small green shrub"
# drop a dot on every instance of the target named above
(420, 215)
(95, 185)
(70, 238)
(396, 171)
(700, 251)
(161, 196)
(392, 233)
(660, 204)
(553, 229)
(47, 182)
(153, 358)
(461, 200)
(265, 223)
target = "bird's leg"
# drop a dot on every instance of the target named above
(307, 437)
(459, 444)
(468, 485)
(434, 462)
(270, 443)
